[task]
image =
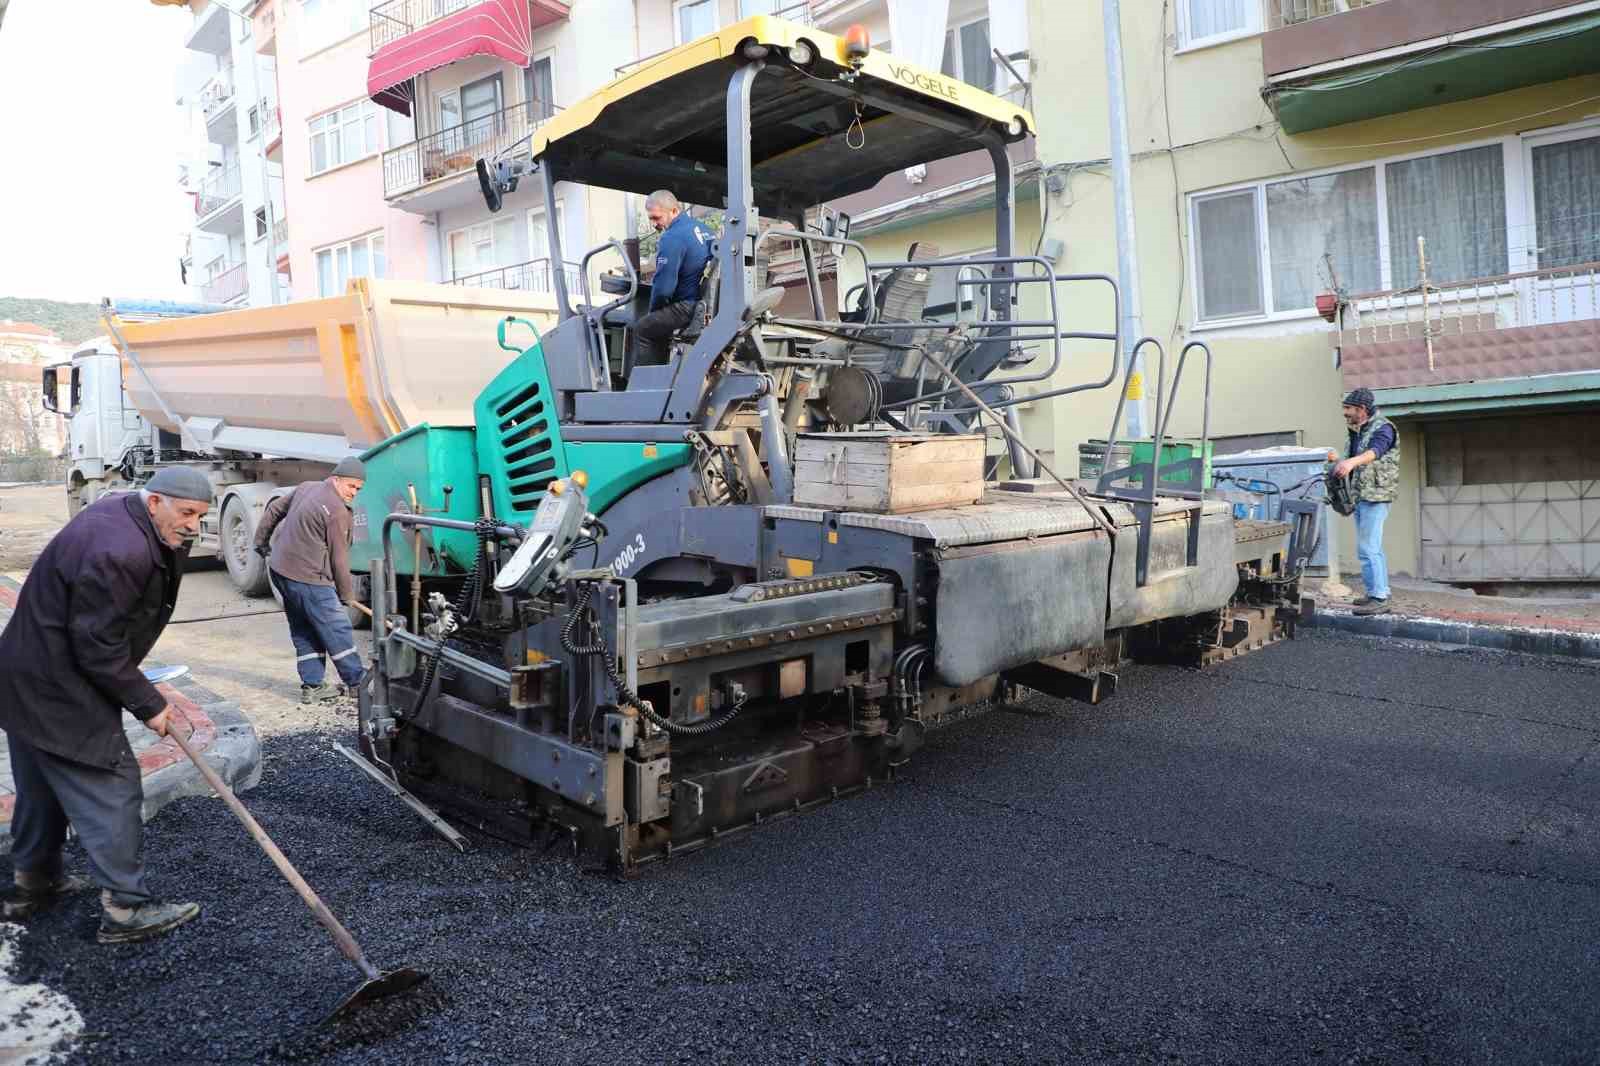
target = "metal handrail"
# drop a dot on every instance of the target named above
(227, 285)
(525, 276)
(457, 149)
(217, 191)
(1541, 296)
(1280, 13)
(393, 20)
(798, 12)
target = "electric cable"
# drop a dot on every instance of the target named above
(580, 613)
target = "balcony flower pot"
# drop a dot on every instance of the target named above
(1328, 305)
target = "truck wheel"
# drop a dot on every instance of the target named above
(247, 569)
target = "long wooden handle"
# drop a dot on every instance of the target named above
(363, 608)
(341, 935)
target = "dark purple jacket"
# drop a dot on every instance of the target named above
(93, 606)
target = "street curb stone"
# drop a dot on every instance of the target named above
(1561, 643)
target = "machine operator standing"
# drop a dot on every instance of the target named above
(1374, 458)
(681, 257)
(93, 606)
(309, 560)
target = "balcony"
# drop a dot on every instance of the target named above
(397, 19)
(802, 13)
(453, 152)
(216, 99)
(228, 285)
(532, 276)
(1329, 62)
(209, 32)
(280, 244)
(217, 205)
(1527, 337)
(265, 28)
(272, 133)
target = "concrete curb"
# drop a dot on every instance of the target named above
(234, 752)
(1556, 642)
(235, 755)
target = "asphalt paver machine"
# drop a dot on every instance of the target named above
(601, 615)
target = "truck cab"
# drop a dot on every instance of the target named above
(102, 429)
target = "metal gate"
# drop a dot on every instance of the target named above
(1512, 499)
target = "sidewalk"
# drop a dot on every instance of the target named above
(222, 736)
(1427, 611)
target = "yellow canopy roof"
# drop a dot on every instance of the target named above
(664, 124)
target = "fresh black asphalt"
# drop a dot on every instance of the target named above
(1338, 850)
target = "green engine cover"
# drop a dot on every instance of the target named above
(517, 444)
(428, 459)
(521, 449)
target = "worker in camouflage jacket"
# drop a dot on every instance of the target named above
(305, 538)
(1373, 463)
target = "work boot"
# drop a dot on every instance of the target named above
(1362, 602)
(1372, 606)
(124, 925)
(33, 894)
(318, 693)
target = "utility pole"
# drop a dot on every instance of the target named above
(1131, 328)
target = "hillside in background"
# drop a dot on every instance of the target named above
(71, 322)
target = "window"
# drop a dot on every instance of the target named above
(261, 223)
(694, 18)
(750, 8)
(1227, 246)
(967, 56)
(1212, 21)
(541, 87)
(1313, 220)
(253, 120)
(1566, 202)
(360, 258)
(482, 247)
(330, 21)
(1458, 202)
(343, 136)
(1271, 247)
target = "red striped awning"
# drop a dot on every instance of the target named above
(501, 28)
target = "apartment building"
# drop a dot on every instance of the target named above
(1398, 194)
(476, 79)
(227, 104)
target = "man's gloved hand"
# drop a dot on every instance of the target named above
(264, 551)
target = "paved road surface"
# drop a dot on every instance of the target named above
(1332, 851)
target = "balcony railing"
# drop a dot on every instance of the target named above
(1281, 13)
(228, 285)
(217, 94)
(219, 189)
(799, 12)
(532, 276)
(395, 19)
(1544, 321)
(271, 123)
(457, 149)
(280, 235)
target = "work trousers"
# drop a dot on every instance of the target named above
(102, 805)
(652, 333)
(319, 625)
(1369, 548)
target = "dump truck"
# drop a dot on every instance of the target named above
(261, 399)
(670, 613)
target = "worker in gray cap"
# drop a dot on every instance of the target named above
(94, 604)
(1373, 458)
(305, 538)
